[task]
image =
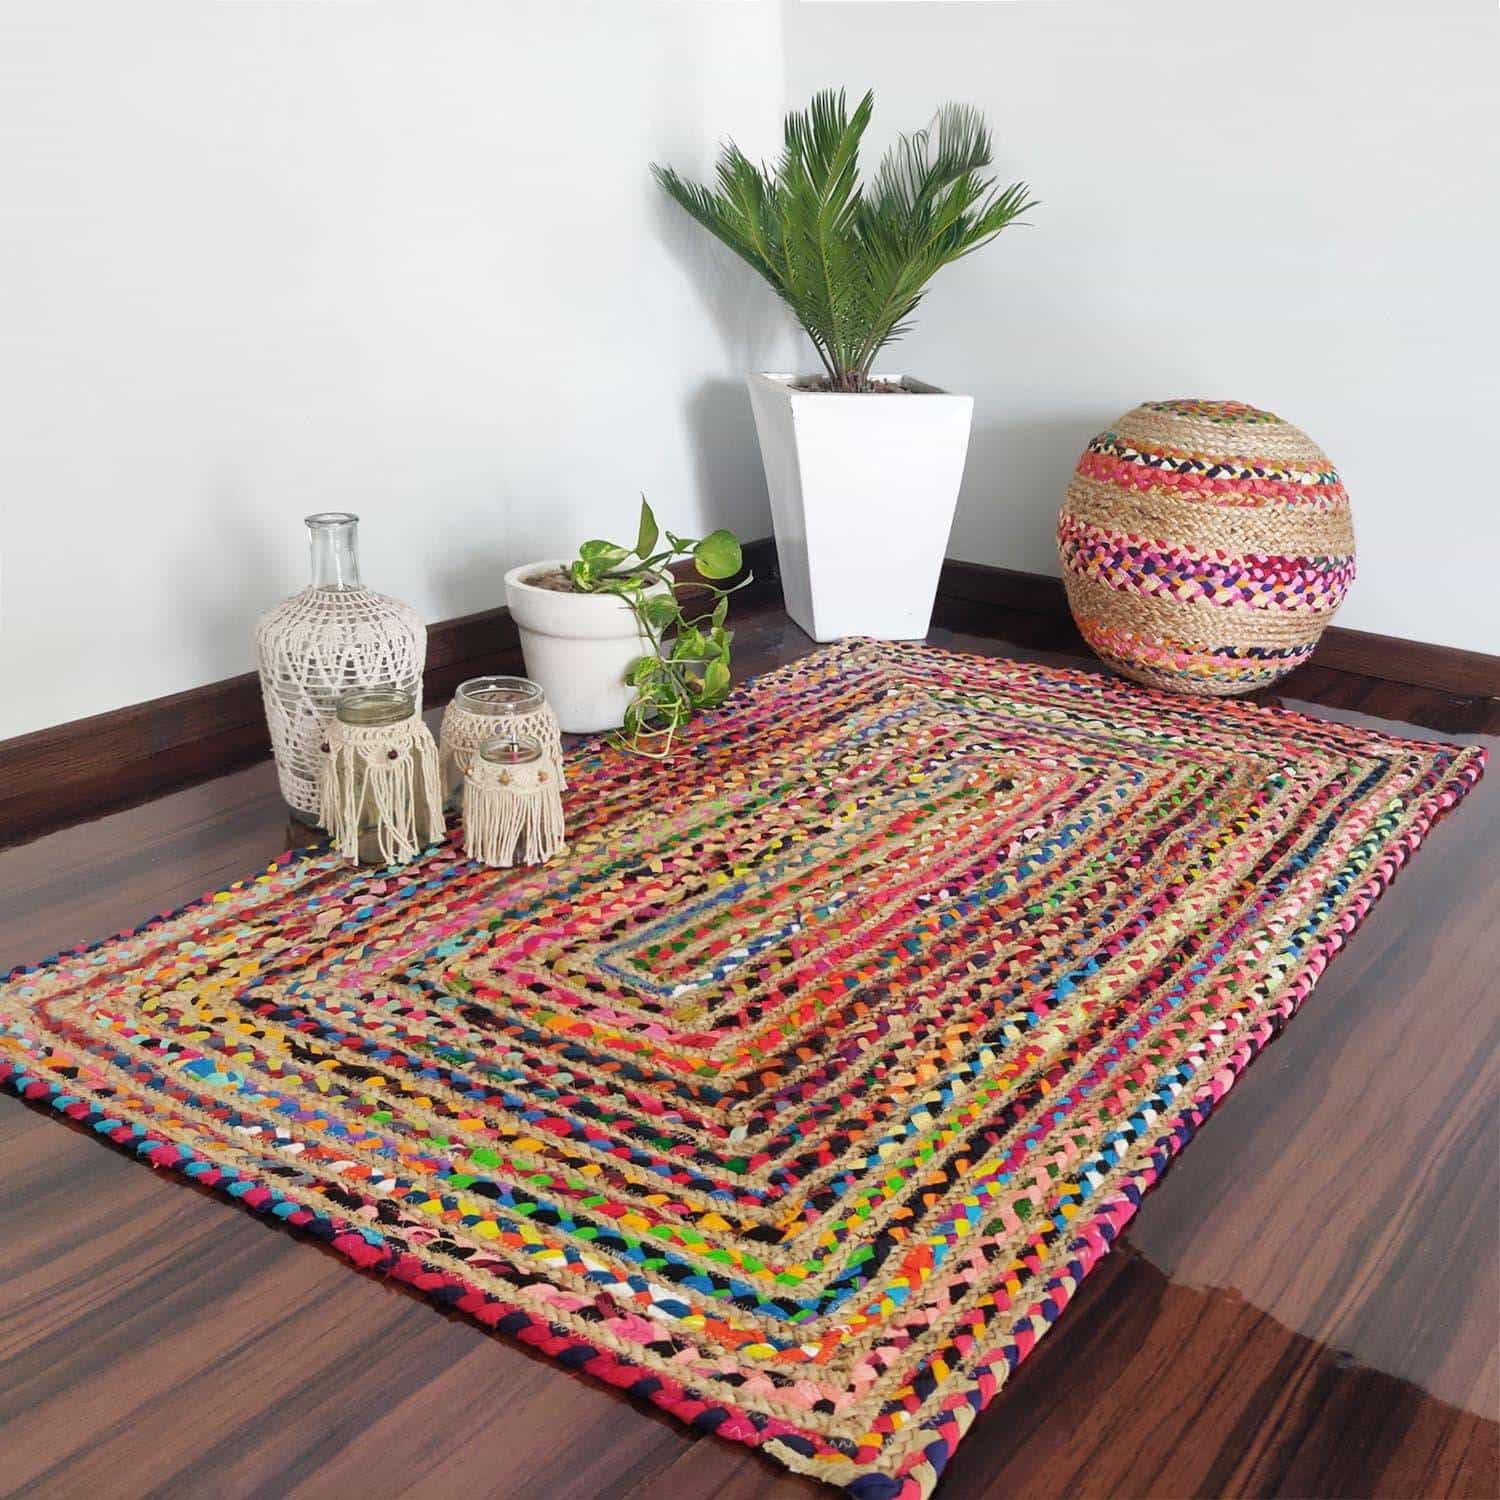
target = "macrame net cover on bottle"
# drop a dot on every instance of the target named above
(314, 648)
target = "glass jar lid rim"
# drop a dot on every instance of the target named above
(484, 694)
(376, 705)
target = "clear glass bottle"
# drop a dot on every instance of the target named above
(333, 549)
(335, 637)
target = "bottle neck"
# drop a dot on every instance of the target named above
(333, 550)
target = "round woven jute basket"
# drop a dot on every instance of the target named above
(1205, 545)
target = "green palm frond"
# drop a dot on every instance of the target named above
(853, 264)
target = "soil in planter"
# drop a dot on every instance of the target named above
(554, 579)
(874, 388)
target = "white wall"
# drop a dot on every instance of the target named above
(259, 257)
(1292, 204)
(262, 258)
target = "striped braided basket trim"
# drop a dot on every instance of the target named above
(1119, 461)
(1205, 545)
(1251, 580)
(801, 1093)
(1239, 525)
(1222, 430)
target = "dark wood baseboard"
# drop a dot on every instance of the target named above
(1449, 669)
(91, 766)
(968, 590)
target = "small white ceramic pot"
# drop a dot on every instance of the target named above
(863, 490)
(577, 647)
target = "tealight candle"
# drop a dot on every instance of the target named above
(486, 708)
(504, 752)
(513, 811)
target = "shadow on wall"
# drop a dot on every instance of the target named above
(726, 457)
(213, 612)
(478, 572)
(1014, 481)
(750, 321)
(754, 332)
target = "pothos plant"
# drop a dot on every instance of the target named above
(682, 617)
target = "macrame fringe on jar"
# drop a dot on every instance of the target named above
(513, 812)
(379, 794)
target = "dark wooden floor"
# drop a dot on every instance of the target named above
(154, 1340)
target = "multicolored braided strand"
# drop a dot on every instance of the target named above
(801, 1093)
(1205, 545)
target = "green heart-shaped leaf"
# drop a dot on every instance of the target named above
(645, 537)
(660, 610)
(642, 670)
(718, 555)
(716, 680)
(601, 556)
(690, 645)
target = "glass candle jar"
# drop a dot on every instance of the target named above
(503, 699)
(392, 759)
(493, 708)
(513, 812)
(377, 705)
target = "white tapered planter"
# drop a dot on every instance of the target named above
(577, 647)
(863, 490)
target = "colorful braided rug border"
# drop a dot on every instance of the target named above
(799, 1096)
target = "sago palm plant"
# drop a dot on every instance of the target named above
(853, 260)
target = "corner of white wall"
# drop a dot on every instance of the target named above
(262, 259)
(1297, 211)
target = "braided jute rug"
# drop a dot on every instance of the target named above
(800, 1094)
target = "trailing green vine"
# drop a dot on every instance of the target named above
(682, 618)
